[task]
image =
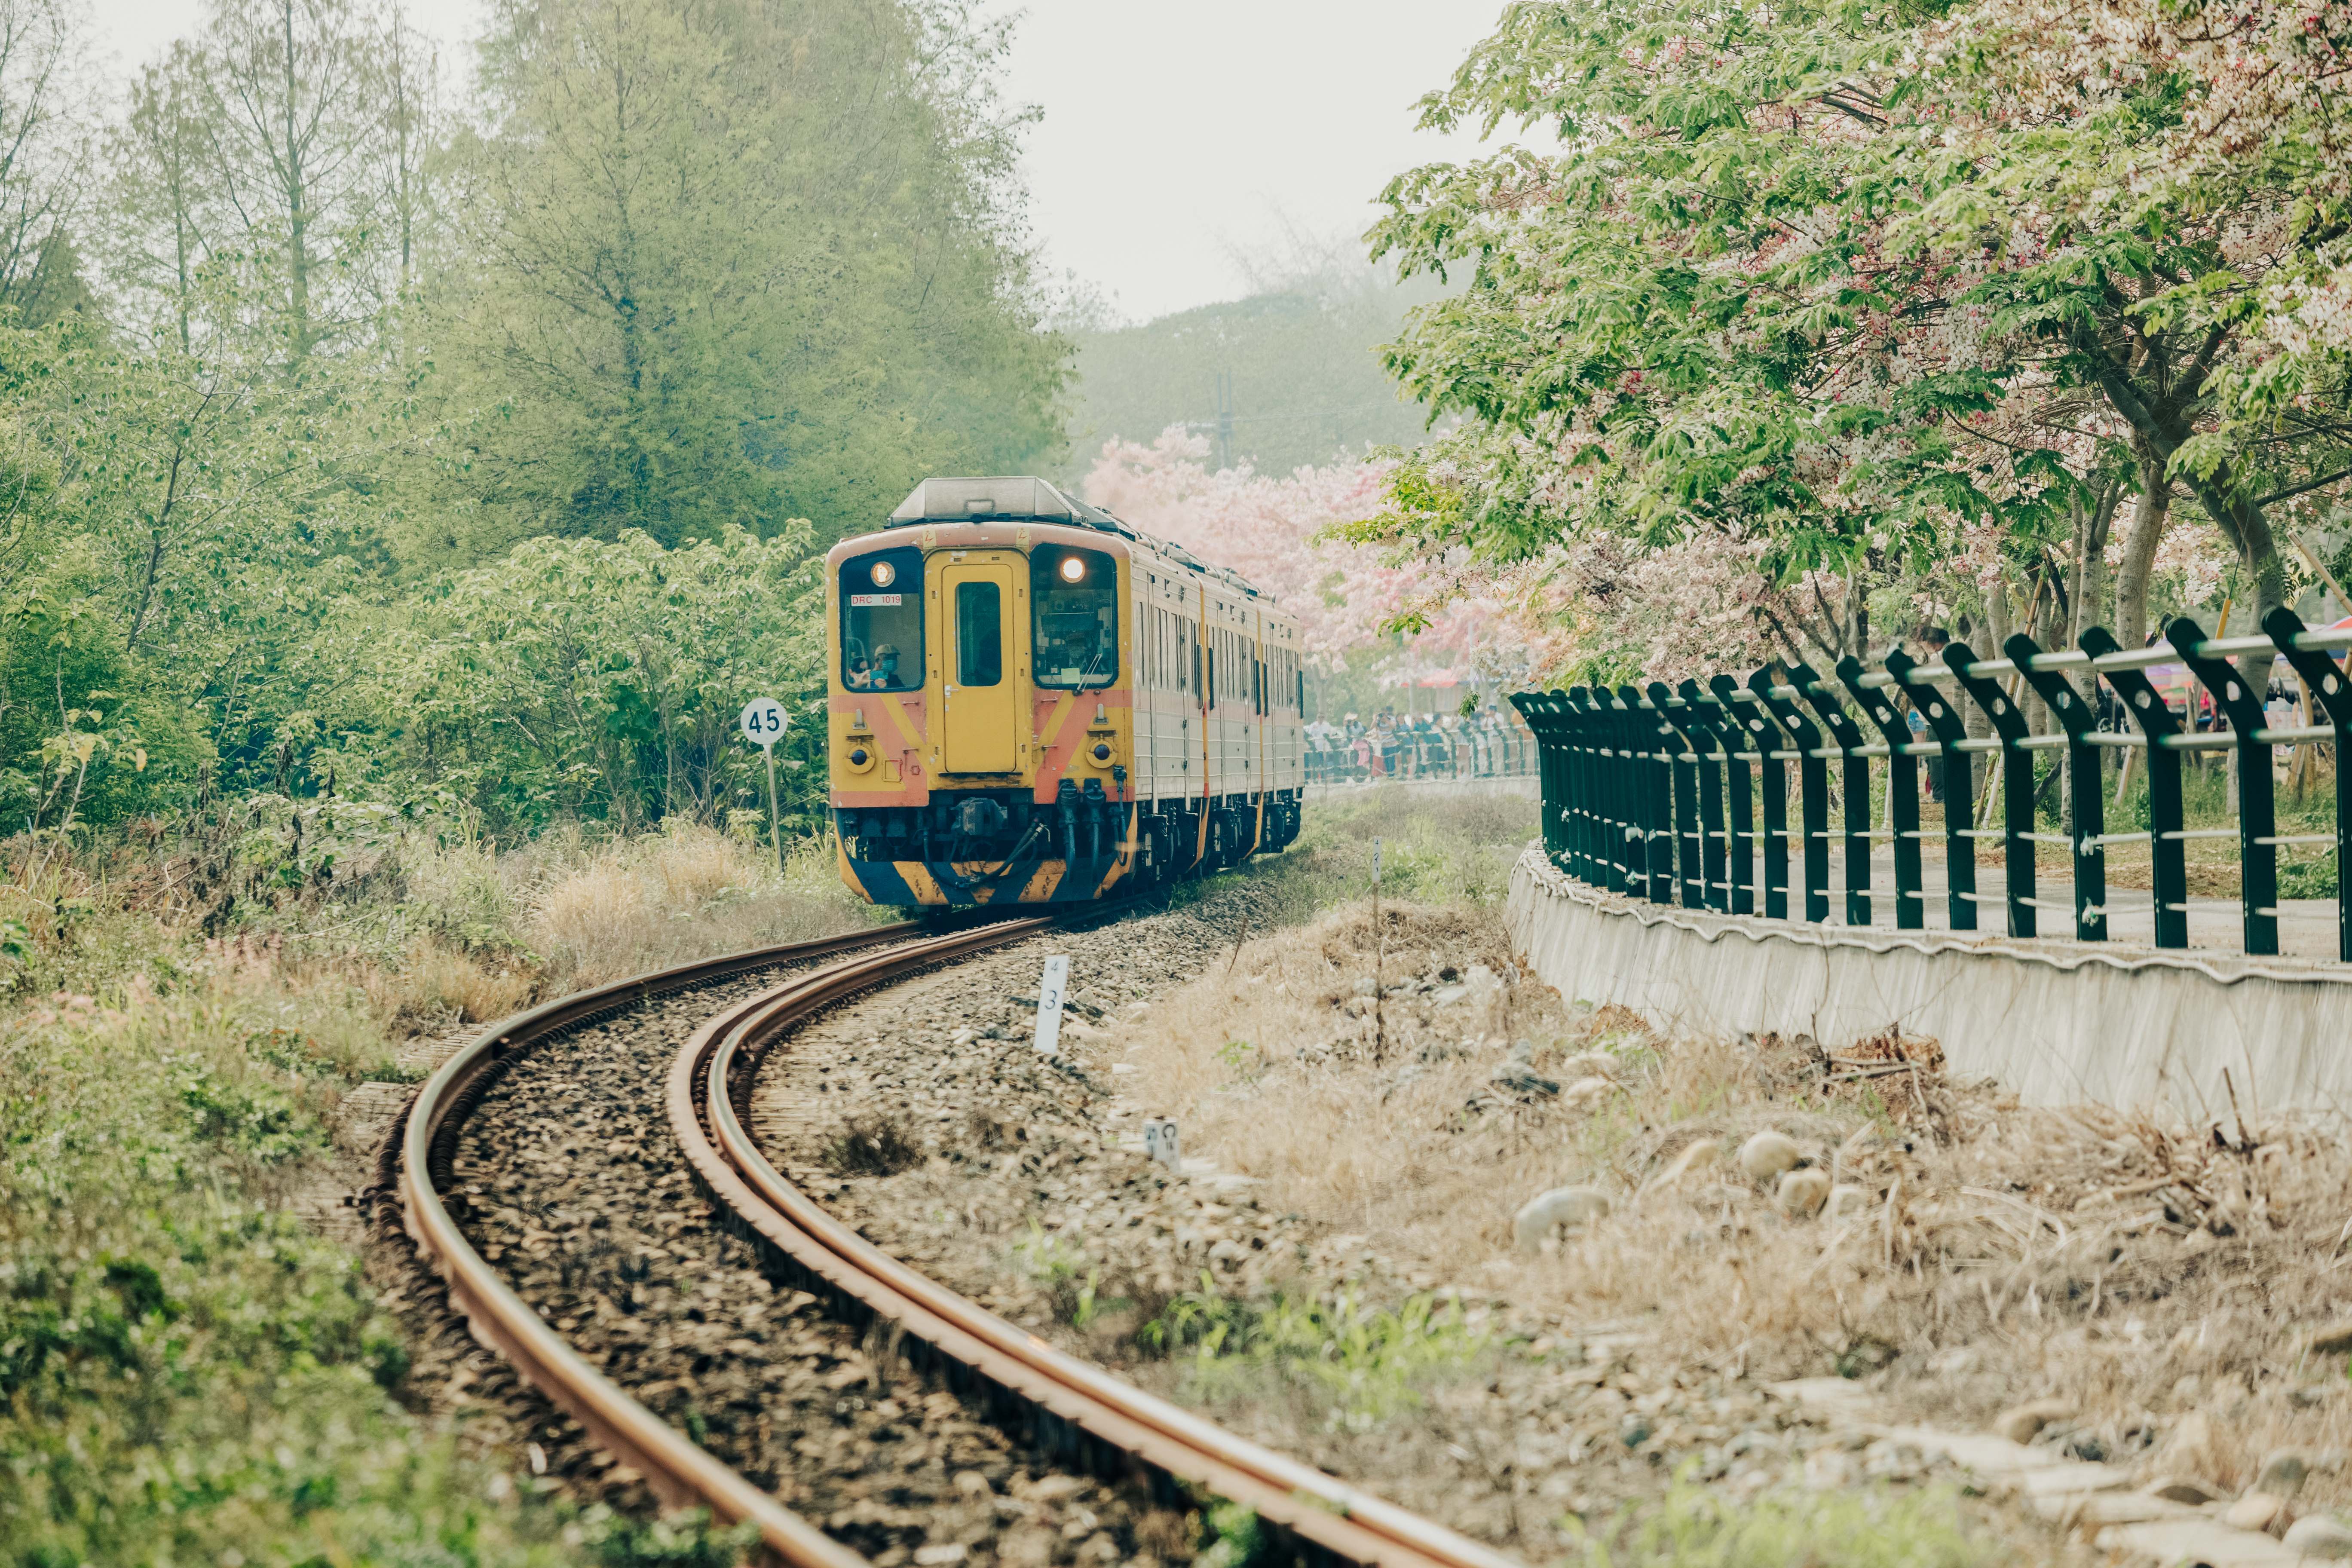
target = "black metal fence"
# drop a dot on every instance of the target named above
(1682, 794)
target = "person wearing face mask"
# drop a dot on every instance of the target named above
(886, 667)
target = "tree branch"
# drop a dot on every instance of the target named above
(2298, 489)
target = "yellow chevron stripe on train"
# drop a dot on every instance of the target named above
(1033, 702)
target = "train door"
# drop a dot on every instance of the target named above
(1196, 710)
(979, 698)
(1265, 674)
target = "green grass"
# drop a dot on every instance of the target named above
(1436, 848)
(187, 1373)
(1364, 1364)
(1691, 1527)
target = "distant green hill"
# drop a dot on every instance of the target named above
(1306, 382)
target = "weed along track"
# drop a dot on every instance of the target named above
(583, 1181)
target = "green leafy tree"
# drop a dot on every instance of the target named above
(42, 77)
(729, 263)
(178, 557)
(1684, 320)
(2150, 201)
(585, 679)
(1856, 285)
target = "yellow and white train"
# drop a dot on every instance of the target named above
(1033, 702)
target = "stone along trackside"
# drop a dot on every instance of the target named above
(1022, 1183)
(572, 1186)
(946, 1064)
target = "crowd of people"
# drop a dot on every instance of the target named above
(1482, 744)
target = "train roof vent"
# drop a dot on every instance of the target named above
(999, 498)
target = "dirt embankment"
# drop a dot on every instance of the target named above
(1341, 1269)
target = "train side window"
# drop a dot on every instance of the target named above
(882, 621)
(980, 633)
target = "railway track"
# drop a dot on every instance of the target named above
(1087, 1419)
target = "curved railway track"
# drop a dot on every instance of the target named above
(1088, 1418)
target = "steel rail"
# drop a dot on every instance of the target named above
(1333, 1521)
(678, 1471)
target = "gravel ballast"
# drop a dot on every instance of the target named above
(567, 1179)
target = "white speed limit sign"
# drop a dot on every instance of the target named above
(764, 722)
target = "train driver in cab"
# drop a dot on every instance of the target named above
(884, 676)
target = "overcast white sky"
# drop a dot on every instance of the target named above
(1173, 135)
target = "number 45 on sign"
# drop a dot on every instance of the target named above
(764, 722)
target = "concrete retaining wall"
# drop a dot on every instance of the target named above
(2055, 1021)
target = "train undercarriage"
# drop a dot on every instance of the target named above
(998, 845)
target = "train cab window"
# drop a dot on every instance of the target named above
(882, 621)
(1076, 598)
(980, 633)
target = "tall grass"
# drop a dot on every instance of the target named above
(188, 1374)
(185, 1374)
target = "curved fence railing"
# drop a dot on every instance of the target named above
(1682, 794)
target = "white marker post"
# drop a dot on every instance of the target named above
(1050, 991)
(764, 722)
(1379, 963)
(1159, 1141)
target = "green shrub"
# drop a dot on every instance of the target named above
(1366, 1362)
(186, 1373)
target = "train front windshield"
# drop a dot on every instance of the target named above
(1075, 593)
(882, 621)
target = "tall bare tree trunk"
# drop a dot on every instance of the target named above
(2150, 513)
(298, 204)
(1996, 627)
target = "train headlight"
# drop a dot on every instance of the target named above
(859, 759)
(1101, 753)
(1071, 568)
(885, 573)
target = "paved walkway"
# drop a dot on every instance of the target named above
(2306, 926)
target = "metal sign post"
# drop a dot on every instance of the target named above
(764, 722)
(1050, 991)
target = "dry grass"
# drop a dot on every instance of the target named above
(437, 983)
(2139, 1266)
(458, 932)
(601, 912)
